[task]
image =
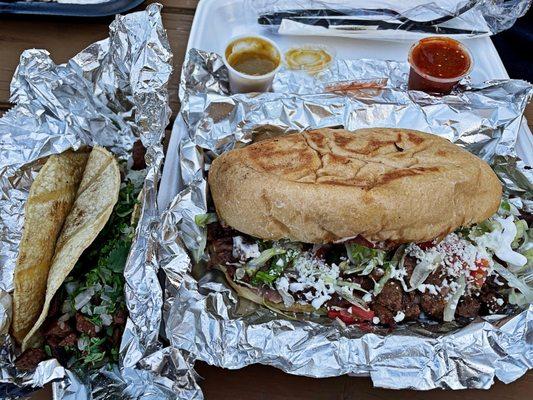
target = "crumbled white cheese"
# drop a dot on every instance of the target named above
(282, 285)
(458, 257)
(315, 278)
(399, 316)
(497, 281)
(399, 273)
(239, 273)
(432, 289)
(499, 301)
(319, 301)
(297, 287)
(367, 298)
(375, 320)
(244, 251)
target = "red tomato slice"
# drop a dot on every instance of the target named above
(356, 315)
(480, 274)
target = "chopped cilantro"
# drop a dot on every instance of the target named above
(202, 220)
(100, 274)
(278, 263)
(116, 259)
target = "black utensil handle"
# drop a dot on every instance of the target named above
(349, 24)
(467, 7)
(276, 17)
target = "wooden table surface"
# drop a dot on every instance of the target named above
(63, 38)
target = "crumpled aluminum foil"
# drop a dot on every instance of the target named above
(203, 315)
(110, 94)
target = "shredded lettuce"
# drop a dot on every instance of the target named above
(350, 285)
(378, 287)
(275, 260)
(526, 248)
(253, 265)
(528, 253)
(348, 295)
(282, 285)
(422, 270)
(364, 258)
(202, 220)
(517, 298)
(515, 282)
(451, 305)
(507, 208)
(270, 275)
(521, 233)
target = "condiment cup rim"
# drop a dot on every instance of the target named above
(247, 76)
(435, 78)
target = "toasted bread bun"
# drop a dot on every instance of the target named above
(327, 185)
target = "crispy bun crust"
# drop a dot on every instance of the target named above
(326, 185)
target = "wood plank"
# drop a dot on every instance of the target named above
(175, 6)
(529, 115)
(255, 382)
(261, 382)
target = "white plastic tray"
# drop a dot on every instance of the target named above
(217, 21)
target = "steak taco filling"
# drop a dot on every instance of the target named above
(84, 312)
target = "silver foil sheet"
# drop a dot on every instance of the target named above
(111, 93)
(204, 316)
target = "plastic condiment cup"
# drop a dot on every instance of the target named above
(311, 58)
(244, 83)
(419, 80)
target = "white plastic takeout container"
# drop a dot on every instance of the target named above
(217, 21)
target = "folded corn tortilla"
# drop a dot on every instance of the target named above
(70, 202)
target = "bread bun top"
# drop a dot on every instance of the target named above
(327, 185)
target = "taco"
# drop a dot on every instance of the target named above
(68, 297)
(51, 197)
(373, 226)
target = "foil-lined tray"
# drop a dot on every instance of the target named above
(111, 94)
(204, 317)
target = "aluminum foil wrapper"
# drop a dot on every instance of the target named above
(111, 94)
(204, 316)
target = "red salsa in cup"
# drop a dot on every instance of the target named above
(437, 64)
